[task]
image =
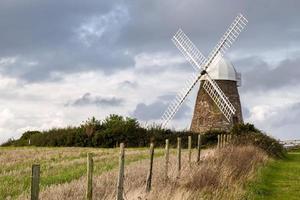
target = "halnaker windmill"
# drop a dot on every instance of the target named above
(218, 103)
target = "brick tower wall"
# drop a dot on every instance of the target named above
(207, 115)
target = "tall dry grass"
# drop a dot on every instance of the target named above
(58, 165)
(220, 175)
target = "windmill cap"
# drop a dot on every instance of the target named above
(222, 69)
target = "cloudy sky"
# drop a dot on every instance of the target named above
(62, 61)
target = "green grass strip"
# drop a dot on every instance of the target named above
(280, 179)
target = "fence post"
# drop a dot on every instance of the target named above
(166, 159)
(228, 139)
(198, 148)
(190, 149)
(179, 155)
(225, 140)
(218, 146)
(35, 182)
(121, 173)
(90, 168)
(149, 178)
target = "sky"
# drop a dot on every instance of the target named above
(64, 61)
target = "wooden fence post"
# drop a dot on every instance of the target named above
(35, 182)
(228, 139)
(198, 148)
(121, 173)
(166, 159)
(190, 149)
(218, 146)
(90, 168)
(178, 155)
(149, 178)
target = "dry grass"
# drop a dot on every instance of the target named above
(58, 166)
(220, 175)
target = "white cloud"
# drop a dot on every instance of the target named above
(7, 120)
(6, 61)
(261, 113)
(7, 83)
(6, 116)
(161, 59)
(97, 26)
(272, 110)
(42, 105)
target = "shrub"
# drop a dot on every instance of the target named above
(116, 129)
(248, 134)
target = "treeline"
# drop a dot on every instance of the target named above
(115, 129)
(106, 133)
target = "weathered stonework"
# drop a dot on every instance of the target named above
(207, 115)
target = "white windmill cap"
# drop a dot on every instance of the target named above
(222, 69)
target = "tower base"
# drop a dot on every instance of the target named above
(207, 116)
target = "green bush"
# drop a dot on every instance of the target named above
(248, 134)
(108, 133)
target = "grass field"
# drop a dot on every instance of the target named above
(58, 165)
(220, 175)
(280, 179)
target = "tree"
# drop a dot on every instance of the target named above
(91, 126)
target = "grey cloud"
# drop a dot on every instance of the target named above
(284, 122)
(128, 84)
(263, 76)
(288, 115)
(270, 23)
(166, 97)
(38, 25)
(245, 112)
(47, 31)
(88, 99)
(154, 111)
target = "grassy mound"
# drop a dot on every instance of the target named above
(247, 134)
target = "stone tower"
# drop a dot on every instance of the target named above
(207, 115)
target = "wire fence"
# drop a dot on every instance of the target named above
(223, 140)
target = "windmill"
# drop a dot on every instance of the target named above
(217, 105)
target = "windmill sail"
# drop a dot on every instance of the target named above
(228, 38)
(189, 50)
(218, 96)
(179, 99)
(210, 85)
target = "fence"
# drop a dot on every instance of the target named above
(223, 140)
